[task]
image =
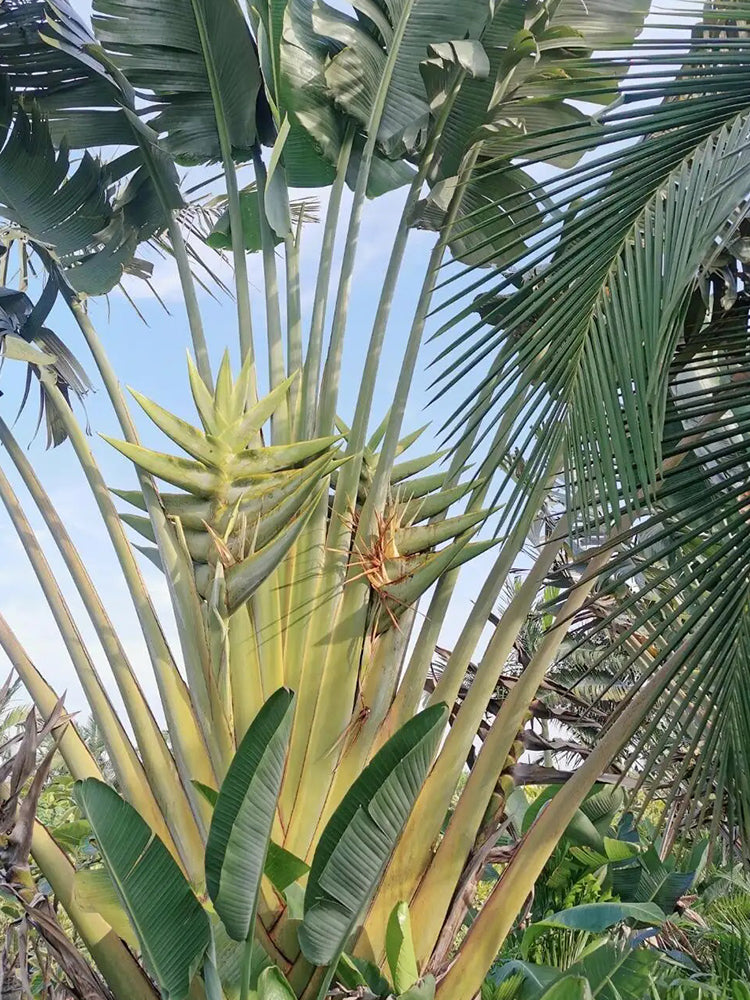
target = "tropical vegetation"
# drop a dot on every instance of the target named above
(296, 818)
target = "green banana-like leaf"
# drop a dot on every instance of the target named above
(229, 959)
(79, 101)
(569, 988)
(581, 830)
(603, 24)
(94, 891)
(172, 927)
(212, 984)
(361, 835)
(62, 98)
(614, 972)
(529, 979)
(482, 111)
(50, 55)
(353, 973)
(243, 816)
(423, 990)
(594, 918)
(519, 94)
(200, 61)
(399, 949)
(602, 806)
(69, 214)
(482, 223)
(283, 868)
(310, 152)
(208, 793)
(220, 237)
(620, 850)
(355, 72)
(273, 985)
(317, 125)
(653, 880)
(445, 60)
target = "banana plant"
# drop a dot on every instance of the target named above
(577, 292)
(608, 970)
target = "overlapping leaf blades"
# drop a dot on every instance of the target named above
(592, 285)
(402, 31)
(69, 213)
(243, 816)
(199, 60)
(138, 863)
(243, 505)
(492, 113)
(361, 835)
(78, 99)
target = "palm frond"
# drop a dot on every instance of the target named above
(680, 587)
(593, 311)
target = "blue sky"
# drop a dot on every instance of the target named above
(150, 356)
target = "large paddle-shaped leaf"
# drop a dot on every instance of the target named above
(361, 835)
(569, 988)
(529, 48)
(172, 927)
(68, 212)
(52, 62)
(78, 98)
(317, 124)
(657, 881)
(242, 820)
(70, 100)
(614, 972)
(399, 949)
(199, 60)
(395, 33)
(594, 918)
